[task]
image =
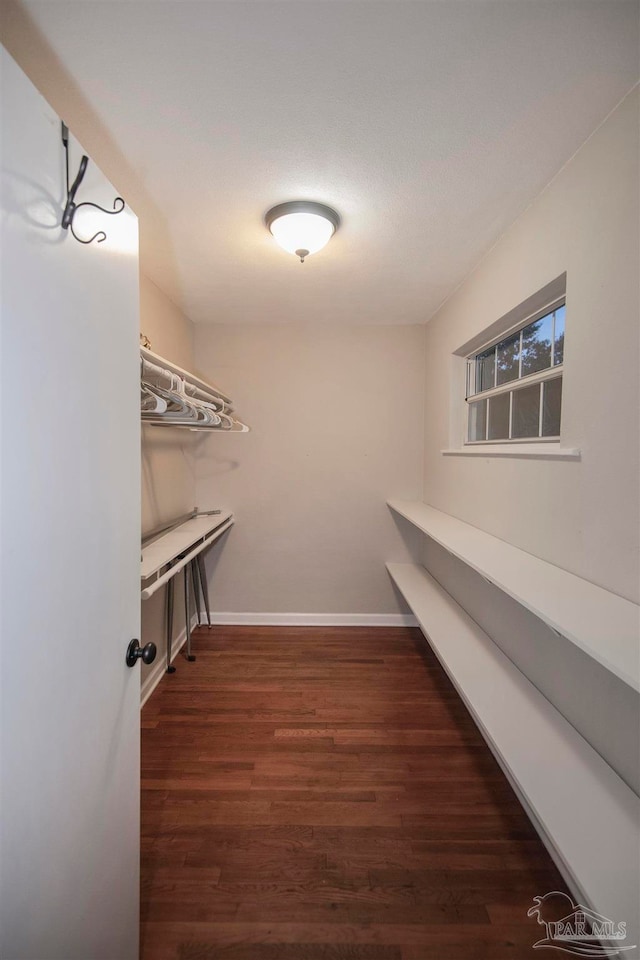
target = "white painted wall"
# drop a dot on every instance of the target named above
(337, 427)
(582, 516)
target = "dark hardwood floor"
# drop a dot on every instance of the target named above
(322, 794)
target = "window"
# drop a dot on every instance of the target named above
(514, 386)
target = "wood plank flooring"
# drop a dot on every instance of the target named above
(322, 794)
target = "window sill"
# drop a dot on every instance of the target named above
(523, 451)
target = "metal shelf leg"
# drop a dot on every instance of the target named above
(187, 613)
(203, 583)
(170, 669)
(196, 589)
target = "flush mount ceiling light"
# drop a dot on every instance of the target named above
(302, 226)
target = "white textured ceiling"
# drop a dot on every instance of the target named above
(428, 125)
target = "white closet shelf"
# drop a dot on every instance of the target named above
(147, 354)
(602, 624)
(185, 541)
(587, 816)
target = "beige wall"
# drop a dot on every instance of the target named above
(582, 516)
(168, 480)
(337, 427)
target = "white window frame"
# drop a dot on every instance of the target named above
(540, 377)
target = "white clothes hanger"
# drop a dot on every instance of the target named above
(150, 402)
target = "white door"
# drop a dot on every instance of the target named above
(70, 553)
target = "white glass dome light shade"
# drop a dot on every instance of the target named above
(302, 231)
(302, 227)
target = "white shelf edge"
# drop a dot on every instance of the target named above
(516, 451)
(624, 662)
(567, 788)
(239, 426)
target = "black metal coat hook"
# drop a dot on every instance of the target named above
(72, 206)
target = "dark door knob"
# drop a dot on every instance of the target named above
(135, 652)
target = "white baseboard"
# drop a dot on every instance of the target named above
(159, 668)
(314, 619)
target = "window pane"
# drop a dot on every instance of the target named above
(536, 345)
(478, 420)
(558, 349)
(485, 370)
(526, 411)
(499, 417)
(508, 358)
(551, 406)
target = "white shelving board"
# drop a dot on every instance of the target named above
(188, 540)
(587, 816)
(602, 624)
